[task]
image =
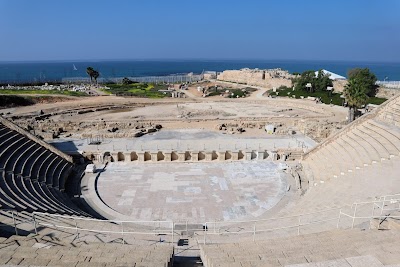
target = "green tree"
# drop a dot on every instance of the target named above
(356, 95)
(365, 78)
(322, 81)
(301, 82)
(319, 82)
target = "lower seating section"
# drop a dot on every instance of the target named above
(50, 251)
(342, 246)
(32, 177)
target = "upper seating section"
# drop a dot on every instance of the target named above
(32, 173)
(373, 138)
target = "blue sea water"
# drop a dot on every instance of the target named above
(14, 72)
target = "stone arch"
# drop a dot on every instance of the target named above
(174, 156)
(188, 156)
(120, 156)
(228, 155)
(147, 156)
(134, 156)
(160, 156)
(202, 155)
(240, 155)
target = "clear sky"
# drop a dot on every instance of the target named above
(355, 30)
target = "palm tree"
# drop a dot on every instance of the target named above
(356, 96)
(90, 71)
(95, 75)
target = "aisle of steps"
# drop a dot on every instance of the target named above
(337, 245)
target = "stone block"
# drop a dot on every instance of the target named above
(195, 155)
(140, 156)
(154, 156)
(181, 156)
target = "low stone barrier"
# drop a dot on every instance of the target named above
(190, 156)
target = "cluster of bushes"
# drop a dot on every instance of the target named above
(360, 90)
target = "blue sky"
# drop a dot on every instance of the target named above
(354, 30)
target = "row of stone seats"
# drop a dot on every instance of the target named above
(365, 184)
(303, 249)
(32, 177)
(391, 113)
(370, 142)
(49, 251)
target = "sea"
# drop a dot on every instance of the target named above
(55, 71)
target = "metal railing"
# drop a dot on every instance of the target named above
(384, 206)
(223, 228)
(358, 213)
(124, 227)
(16, 218)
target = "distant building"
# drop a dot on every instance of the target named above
(210, 75)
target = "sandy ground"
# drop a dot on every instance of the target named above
(193, 112)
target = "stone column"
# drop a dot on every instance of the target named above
(140, 156)
(154, 156)
(221, 156)
(195, 155)
(208, 156)
(248, 155)
(272, 155)
(181, 156)
(127, 157)
(167, 156)
(261, 155)
(235, 155)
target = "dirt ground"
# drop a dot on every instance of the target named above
(192, 112)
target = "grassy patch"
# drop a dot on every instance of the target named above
(137, 89)
(233, 93)
(376, 100)
(40, 92)
(324, 95)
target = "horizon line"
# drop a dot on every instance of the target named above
(194, 59)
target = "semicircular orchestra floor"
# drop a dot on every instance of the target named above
(197, 192)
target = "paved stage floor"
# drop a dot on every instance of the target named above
(198, 192)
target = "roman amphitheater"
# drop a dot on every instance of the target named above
(194, 181)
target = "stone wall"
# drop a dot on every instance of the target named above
(255, 77)
(193, 156)
(338, 85)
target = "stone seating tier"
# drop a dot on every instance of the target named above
(32, 175)
(50, 251)
(304, 249)
(368, 143)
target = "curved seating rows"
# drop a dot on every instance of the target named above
(370, 142)
(32, 177)
(340, 248)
